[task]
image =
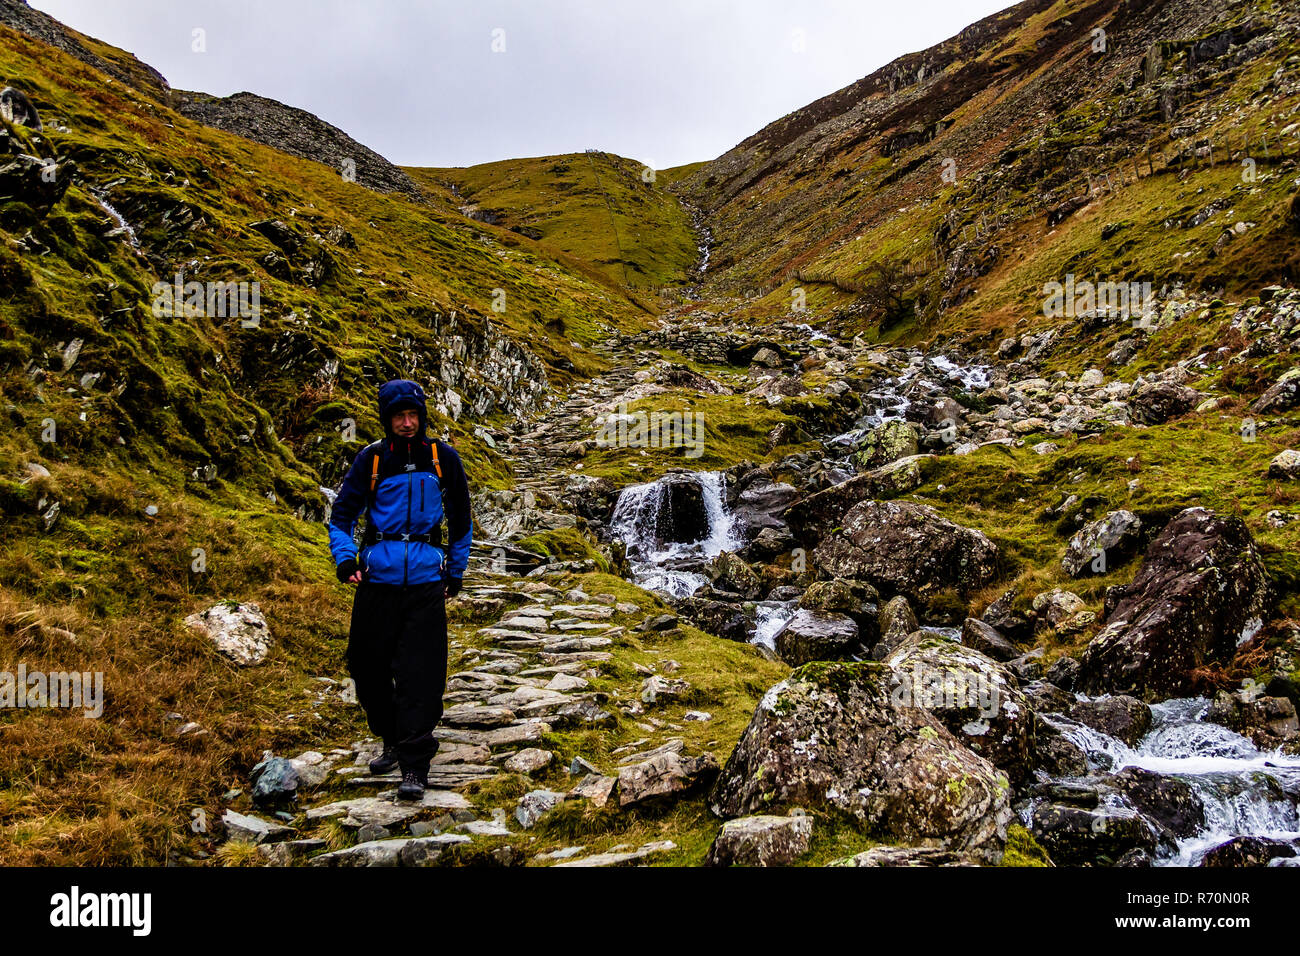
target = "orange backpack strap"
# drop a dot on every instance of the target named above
(437, 466)
(374, 471)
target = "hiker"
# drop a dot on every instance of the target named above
(397, 645)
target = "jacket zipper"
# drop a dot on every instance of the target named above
(406, 546)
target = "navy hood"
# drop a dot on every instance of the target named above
(396, 395)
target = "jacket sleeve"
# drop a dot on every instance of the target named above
(349, 504)
(455, 503)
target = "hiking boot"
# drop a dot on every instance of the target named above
(412, 785)
(386, 761)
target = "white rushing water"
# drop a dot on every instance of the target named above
(665, 566)
(771, 616)
(1246, 792)
(123, 227)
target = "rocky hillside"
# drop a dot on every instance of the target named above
(1108, 140)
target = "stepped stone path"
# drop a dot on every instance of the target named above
(541, 451)
(532, 674)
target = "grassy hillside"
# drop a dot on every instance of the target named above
(599, 208)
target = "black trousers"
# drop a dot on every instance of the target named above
(397, 656)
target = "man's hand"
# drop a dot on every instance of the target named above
(453, 587)
(348, 572)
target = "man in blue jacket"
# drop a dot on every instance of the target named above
(397, 646)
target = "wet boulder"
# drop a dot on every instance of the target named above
(1103, 544)
(1168, 803)
(1124, 718)
(1270, 722)
(906, 548)
(973, 696)
(1009, 622)
(1201, 592)
(818, 636)
(720, 618)
(1248, 851)
(1079, 836)
(832, 735)
(759, 504)
(858, 599)
(729, 572)
(985, 638)
(682, 516)
(897, 622)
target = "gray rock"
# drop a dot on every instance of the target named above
(1103, 545)
(906, 548)
(1124, 718)
(762, 840)
(817, 636)
(534, 805)
(239, 631)
(409, 851)
(529, 760)
(664, 775)
(251, 829)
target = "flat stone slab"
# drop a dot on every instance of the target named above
(622, 858)
(468, 715)
(385, 811)
(411, 851)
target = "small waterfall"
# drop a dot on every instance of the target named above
(1246, 792)
(123, 227)
(770, 617)
(641, 517)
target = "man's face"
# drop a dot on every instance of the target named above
(406, 422)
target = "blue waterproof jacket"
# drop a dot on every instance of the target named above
(408, 499)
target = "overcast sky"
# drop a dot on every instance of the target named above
(438, 83)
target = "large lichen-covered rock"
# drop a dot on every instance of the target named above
(888, 442)
(762, 840)
(906, 548)
(1103, 545)
(818, 636)
(833, 735)
(1201, 591)
(974, 697)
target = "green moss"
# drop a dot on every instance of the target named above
(1023, 850)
